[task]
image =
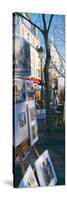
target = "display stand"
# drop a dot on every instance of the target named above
(26, 132)
(21, 163)
(22, 159)
(36, 151)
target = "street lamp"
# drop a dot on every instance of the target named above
(40, 51)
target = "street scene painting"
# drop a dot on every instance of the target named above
(45, 170)
(22, 56)
(29, 179)
(38, 99)
(21, 127)
(20, 90)
(33, 130)
(29, 90)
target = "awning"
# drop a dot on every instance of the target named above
(35, 80)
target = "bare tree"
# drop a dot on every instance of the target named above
(57, 61)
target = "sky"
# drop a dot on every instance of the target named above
(56, 33)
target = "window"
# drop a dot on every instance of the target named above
(28, 36)
(21, 31)
(33, 59)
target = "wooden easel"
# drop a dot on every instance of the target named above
(23, 148)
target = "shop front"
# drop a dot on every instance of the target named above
(39, 91)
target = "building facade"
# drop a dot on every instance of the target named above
(27, 61)
(25, 31)
(56, 73)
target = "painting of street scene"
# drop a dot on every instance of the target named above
(45, 170)
(29, 179)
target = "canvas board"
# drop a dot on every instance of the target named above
(45, 170)
(29, 179)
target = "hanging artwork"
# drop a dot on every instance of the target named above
(29, 90)
(21, 55)
(20, 95)
(33, 130)
(21, 123)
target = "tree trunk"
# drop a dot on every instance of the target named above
(47, 86)
(46, 67)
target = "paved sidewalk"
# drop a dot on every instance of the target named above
(54, 141)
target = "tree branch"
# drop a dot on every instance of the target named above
(44, 23)
(29, 20)
(50, 20)
(58, 70)
(45, 33)
(60, 56)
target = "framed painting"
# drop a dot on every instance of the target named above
(33, 134)
(33, 129)
(29, 90)
(29, 179)
(20, 95)
(45, 170)
(21, 123)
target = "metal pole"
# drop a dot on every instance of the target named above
(41, 86)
